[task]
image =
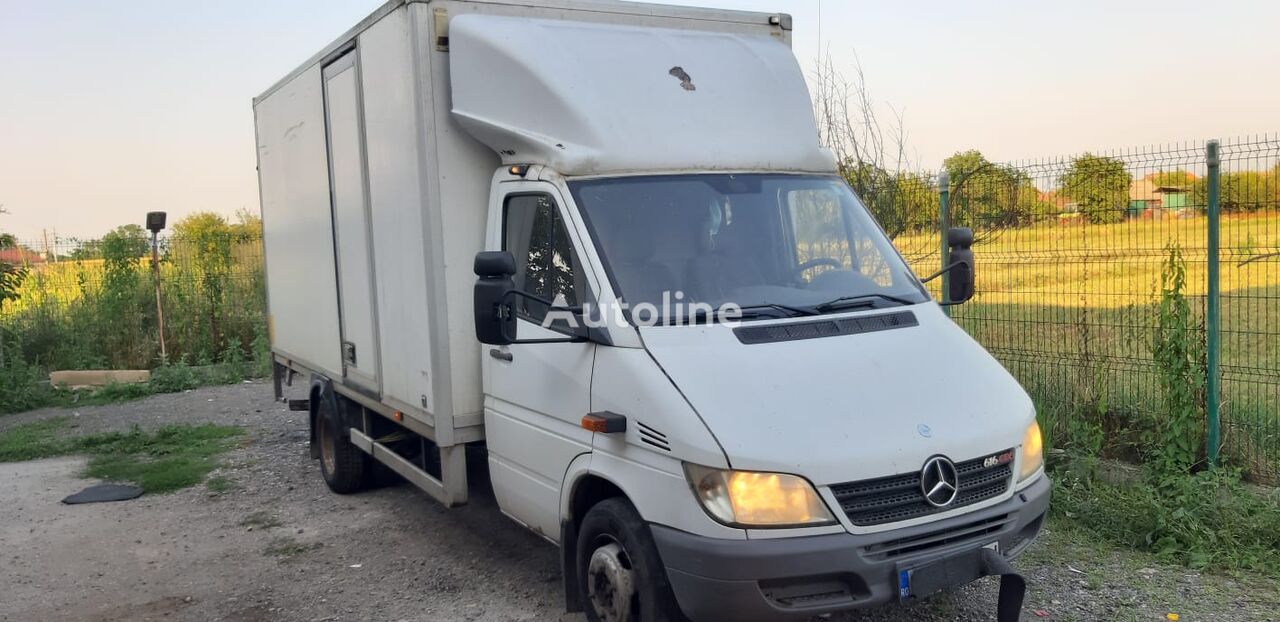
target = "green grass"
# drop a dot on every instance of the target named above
(1206, 520)
(167, 459)
(40, 439)
(23, 392)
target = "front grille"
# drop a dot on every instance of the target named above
(898, 497)
(975, 532)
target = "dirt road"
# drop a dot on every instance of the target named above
(275, 544)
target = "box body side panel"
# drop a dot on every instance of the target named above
(297, 223)
(398, 212)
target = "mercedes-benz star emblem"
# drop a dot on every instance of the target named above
(939, 482)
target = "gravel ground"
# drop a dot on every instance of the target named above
(278, 546)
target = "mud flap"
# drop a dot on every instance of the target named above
(1013, 588)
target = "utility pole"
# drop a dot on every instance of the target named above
(155, 223)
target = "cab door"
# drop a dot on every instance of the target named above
(537, 394)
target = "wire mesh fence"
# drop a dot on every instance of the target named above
(1073, 255)
(77, 304)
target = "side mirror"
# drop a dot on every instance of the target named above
(961, 281)
(495, 317)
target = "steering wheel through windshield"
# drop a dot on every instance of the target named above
(814, 263)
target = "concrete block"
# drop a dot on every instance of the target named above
(84, 378)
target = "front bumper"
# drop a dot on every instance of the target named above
(772, 579)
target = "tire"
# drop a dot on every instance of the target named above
(613, 530)
(345, 468)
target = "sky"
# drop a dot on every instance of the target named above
(109, 110)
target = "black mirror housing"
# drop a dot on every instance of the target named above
(495, 317)
(495, 264)
(960, 236)
(960, 284)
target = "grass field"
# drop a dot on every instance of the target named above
(1070, 310)
(167, 459)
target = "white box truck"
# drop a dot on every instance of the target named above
(599, 243)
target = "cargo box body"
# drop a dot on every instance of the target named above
(374, 202)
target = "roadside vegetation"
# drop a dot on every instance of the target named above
(27, 387)
(1176, 507)
(90, 304)
(164, 460)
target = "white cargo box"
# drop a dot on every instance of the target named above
(374, 202)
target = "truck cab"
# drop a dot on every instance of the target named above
(602, 242)
(791, 457)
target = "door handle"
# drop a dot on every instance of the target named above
(500, 355)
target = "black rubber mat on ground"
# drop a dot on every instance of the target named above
(103, 493)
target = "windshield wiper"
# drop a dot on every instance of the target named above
(861, 300)
(790, 311)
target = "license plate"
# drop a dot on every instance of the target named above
(943, 574)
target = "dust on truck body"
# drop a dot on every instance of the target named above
(598, 244)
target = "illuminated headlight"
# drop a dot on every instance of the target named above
(1032, 452)
(752, 499)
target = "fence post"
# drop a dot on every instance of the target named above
(944, 223)
(1213, 311)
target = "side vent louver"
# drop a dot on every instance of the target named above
(652, 437)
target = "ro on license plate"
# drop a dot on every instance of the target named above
(954, 571)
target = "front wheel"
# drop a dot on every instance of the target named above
(622, 576)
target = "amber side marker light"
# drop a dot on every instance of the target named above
(605, 422)
(518, 170)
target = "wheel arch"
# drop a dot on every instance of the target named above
(582, 489)
(321, 389)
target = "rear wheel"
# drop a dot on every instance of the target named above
(345, 468)
(622, 576)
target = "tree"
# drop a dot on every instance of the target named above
(201, 249)
(1247, 191)
(86, 249)
(248, 226)
(122, 250)
(6, 239)
(989, 195)
(1177, 178)
(11, 275)
(870, 154)
(1100, 185)
(125, 241)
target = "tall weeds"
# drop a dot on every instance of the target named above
(95, 307)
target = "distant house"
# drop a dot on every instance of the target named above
(1064, 206)
(19, 256)
(1147, 199)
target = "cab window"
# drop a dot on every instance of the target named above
(546, 264)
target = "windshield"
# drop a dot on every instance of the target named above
(770, 243)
